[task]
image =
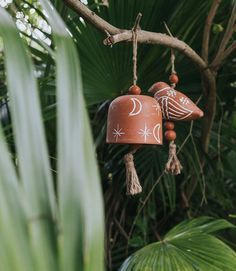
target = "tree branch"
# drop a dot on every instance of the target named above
(217, 62)
(161, 39)
(207, 29)
(227, 36)
(121, 35)
(91, 17)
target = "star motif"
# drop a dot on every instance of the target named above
(157, 107)
(184, 101)
(171, 93)
(145, 132)
(112, 105)
(117, 132)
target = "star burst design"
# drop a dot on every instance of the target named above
(157, 107)
(171, 93)
(145, 132)
(184, 101)
(118, 132)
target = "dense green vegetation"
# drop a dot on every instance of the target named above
(63, 230)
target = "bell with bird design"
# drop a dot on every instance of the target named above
(175, 106)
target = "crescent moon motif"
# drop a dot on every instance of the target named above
(137, 107)
(156, 132)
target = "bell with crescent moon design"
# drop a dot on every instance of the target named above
(134, 119)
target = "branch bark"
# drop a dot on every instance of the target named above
(121, 35)
(231, 26)
(207, 29)
(217, 62)
(91, 17)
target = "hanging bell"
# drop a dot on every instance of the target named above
(175, 106)
(134, 119)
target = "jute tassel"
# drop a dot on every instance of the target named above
(133, 186)
(173, 165)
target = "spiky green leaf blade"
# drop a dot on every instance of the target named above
(15, 251)
(80, 198)
(28, 130)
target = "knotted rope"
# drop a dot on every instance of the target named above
(173, 165)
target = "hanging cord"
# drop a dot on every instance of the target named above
(172, 56)
(135, 77)
(133, 186)
(135, 47)
(173, 165)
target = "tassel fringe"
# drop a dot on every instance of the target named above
(173, 165)
(133, 186)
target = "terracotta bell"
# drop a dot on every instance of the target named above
(134, 119)
(174, 104)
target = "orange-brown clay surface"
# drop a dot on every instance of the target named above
(134, 119)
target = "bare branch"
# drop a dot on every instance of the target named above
(91, 16)
(207, 29)
(161, 39)
(227, 36)
(216, 64)
(119, 35)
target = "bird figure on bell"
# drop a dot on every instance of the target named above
(174, 104)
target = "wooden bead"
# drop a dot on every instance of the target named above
(169, 125)
(134, 90)
(170, 135)
(174, 79)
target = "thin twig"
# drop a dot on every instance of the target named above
(226, 38)
(217, 62)
(172, 57)
(137, 21)
(207, 29)
(168, 29)
(122, 231)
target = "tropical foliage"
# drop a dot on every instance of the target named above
(39, 232)
(67, 160)
(188, 246)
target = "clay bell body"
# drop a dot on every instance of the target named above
(174, 104)
(134, 119)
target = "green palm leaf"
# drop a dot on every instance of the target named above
(188, 246)
(33, 235)
(77, 192)
(28, 130)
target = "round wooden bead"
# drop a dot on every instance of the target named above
(170, 135)
(174, 79)
(169, 125)
(134, 90)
